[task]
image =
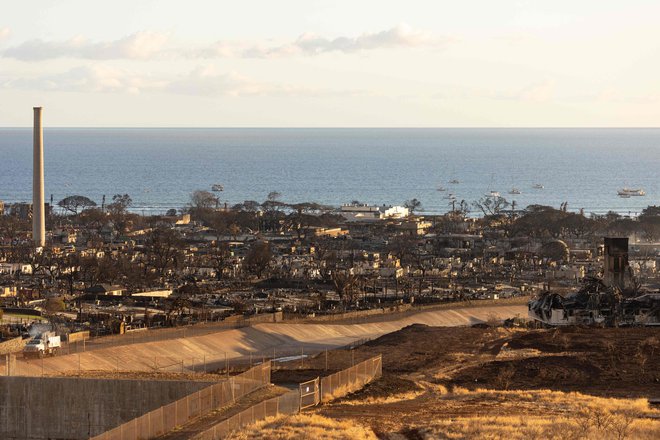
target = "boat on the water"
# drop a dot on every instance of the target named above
(217, 187)
(538, 186)
(630, 192)
(514, 191)
(454, 182)
(494, 194)
(441, 189)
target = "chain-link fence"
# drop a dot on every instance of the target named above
(166, 418)
(143, 335)
(288, 403)
(351, 379)
(331, 387)
(208, 361)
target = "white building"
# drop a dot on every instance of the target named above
(12, 268)
(368, 213)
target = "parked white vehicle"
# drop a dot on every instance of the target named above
(47, 344)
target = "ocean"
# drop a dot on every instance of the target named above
(160, 168)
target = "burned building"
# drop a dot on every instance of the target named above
(614, 299)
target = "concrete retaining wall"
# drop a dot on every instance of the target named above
(77, 408)
(287, 338)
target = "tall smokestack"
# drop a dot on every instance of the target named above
(38, 214)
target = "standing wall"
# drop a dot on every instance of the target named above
(78, 408)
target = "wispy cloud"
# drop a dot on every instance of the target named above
(202, 81)
(208, 81)
(95, 78)
(401, 36)
(140, 45)
(147, 45)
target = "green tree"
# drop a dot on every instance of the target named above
(120, 204)
(74, 203)
(413, 205)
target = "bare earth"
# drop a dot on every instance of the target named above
(433, 374)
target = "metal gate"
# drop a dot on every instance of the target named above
(310, 394)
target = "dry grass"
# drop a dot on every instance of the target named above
(338, 393)
(511, 415)
(582, 417)
(569, 402)
(341, 391)
(394, 398)
(614, 426)
(512, 428)
(304, 426)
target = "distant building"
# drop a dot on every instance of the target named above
(21, 210)
(155, 293)
(12, 268)
(327, 232)
(6, 291)
(105, 289)
(414, 227)
(368, 213)
(184, 220)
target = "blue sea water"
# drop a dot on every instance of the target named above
(160, 168)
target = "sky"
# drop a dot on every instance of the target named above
(332, 63)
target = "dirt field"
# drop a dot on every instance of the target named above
(436, 374)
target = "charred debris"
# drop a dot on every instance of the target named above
(615, 299)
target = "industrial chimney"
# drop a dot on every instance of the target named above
(616, 270)
(38, 209)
